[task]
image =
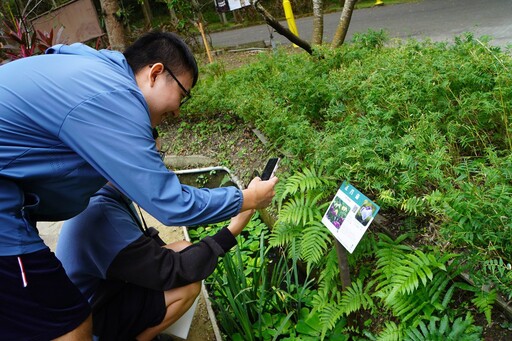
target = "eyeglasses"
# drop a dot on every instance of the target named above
(187, 93)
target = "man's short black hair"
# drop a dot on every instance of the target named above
(162, 47)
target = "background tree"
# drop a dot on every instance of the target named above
(318, 22)
(148, 14)
(272, 22)
(185, 18)
(115, 29)
(341, 31)
(317, 38)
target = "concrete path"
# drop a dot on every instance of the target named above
(440, 20)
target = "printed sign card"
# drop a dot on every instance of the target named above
(349, 216)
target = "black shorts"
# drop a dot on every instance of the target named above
(121, 311)
(37, 299)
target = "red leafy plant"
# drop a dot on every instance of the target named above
(22, 41)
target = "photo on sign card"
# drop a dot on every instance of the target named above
(337, 212)
(365, 213)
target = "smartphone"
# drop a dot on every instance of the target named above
(270, 168)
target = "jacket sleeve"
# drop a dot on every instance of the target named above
(145, 263)
(112, 132)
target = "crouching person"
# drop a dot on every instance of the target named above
(137, 286)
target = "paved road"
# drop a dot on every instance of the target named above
(439, 20)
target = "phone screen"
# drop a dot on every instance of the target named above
(270, 168)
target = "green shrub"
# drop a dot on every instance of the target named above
(423, 128)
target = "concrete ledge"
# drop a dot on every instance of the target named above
(186, 162)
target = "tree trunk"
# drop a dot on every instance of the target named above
(318, 22)
(174, 17)
(115, 29)
(197, 11)
(341, 31)
(272, 22)
(148, 15)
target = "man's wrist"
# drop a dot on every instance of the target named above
(249, 199)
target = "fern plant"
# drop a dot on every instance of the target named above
(411, 283)
(391, 332)
(462, 329)
(483, 299)
(500, 273)
(302, 200)
(484, 302)
(356, 297)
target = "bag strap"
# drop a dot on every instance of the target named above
(135, 216)
(150, 232)
(141, 217)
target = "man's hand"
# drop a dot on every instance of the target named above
(259, 194)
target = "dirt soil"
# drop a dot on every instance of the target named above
(230, 142)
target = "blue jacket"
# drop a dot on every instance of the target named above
(69, 121)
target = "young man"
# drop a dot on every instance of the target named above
(71, 120)
(138, 286)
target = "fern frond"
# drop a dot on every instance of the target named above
(309, 180)
(391, 332)
(390, 255)
(389, 250)
(500, 272)
(283, 234)
(327, 304)
(355, 297)
(280, 189)
(322, 298)
(330, 315)
(465, 330)
(316, 240)
(484, 302)
(414, 267)
(329, 275)
(408, 306)
(460, 329)
(292, 248)
(300, 209)
(400, 275)
(438, 286)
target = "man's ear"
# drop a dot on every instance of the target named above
(146, 77)
(154, 71)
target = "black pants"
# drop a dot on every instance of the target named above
(37, 299)
(121, 311)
